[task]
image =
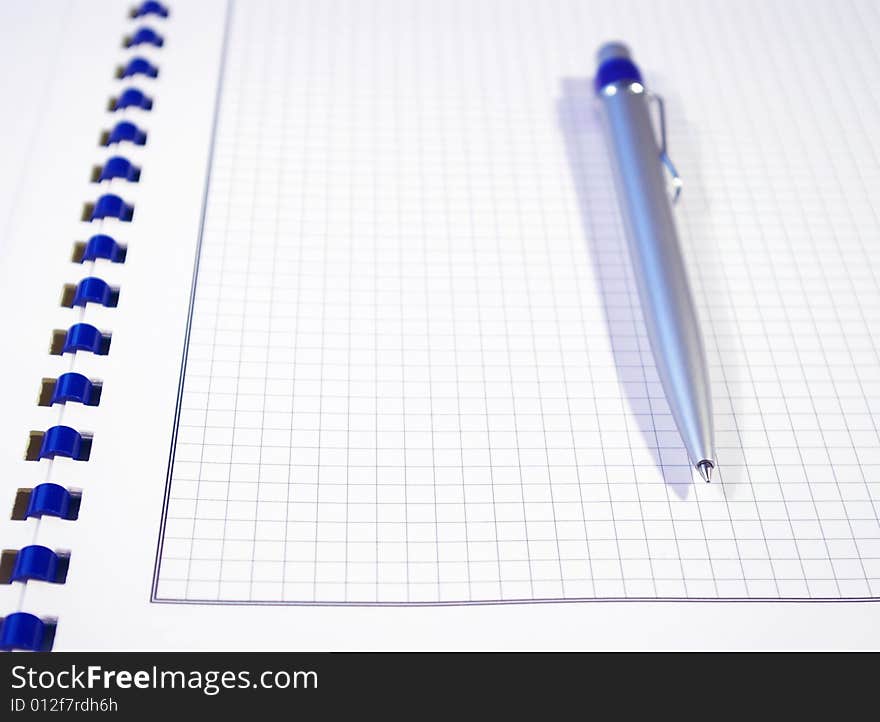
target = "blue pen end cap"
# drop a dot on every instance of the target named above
(615, 66)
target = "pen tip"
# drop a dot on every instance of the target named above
(705, 468)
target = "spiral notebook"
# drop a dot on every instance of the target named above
(321, 331)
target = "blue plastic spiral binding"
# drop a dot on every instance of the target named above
(95, 290)
(145, 36)
(126, 132)
(26, 632)
(52, 500)
(84, 337)
(39, 563)
(139, 66)
(103, 246)
(133, 98)
(110, 206)
(151, 8)
(64, 441)
(118, 167)
(21, 630)
(77, 388)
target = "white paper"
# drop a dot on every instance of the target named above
(417, 372)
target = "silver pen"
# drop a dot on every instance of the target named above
(646, 206)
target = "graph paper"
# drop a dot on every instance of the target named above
(416, 370)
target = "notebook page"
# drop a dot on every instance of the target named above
(106, 600)
(416, 367)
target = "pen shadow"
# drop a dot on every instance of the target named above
(581, 128)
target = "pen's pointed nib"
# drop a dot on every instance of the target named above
(705, 468)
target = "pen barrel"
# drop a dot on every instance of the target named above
(666, 299)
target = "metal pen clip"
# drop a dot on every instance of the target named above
(664, 155)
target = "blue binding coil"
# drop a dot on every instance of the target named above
(84, 337)
(118, 167)
(64, 441)
(21, 630)
(126, 132)
(133, 98)
(139, 66)
(151, 7)
(26, 632)
(110, 206)
(75, 387)
(145, 36)
(95, 290)
(40, 564)
(103, 246)
(52, 500)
